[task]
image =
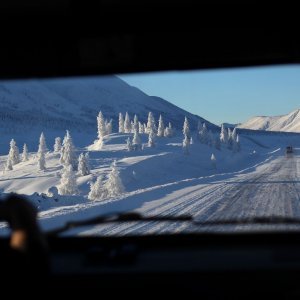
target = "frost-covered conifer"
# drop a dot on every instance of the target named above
(141, 128)
(135, 124)
(97, 190)
(151, 139)
(121, 123)
(136, 141)
(186, 128)
(186, 145)
(25, 153)
(151, 123)
(223, 135)
(108, 127)
(14, 153)
(127, 123)
(236, 144)
(101, 126)
(203, 135)
(57, 144)
(68, 184)
(68, 152)
(83, 165)
(114, 185)
(169, 131)
(161, 127)
(129, 144)
(8, 165)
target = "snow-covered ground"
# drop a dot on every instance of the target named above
(258, 180)
(289, 122)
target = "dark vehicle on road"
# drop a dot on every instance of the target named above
(288, 150)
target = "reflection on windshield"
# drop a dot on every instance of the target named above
(80, 148)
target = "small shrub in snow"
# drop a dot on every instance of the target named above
(68, 184)
(213, 161)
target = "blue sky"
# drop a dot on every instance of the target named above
(223, 95)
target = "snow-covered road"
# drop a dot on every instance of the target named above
(271, 189)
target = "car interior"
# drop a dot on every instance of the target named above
(210, 265)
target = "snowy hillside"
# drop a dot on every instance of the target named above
(28, 107)
(287, 123)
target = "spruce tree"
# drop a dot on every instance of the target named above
(14, 153)
(114, 185)
(121, 123)
(161, 127)
(68, 184)
(57, 145)
(25, 153)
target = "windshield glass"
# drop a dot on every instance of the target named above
(220, 145)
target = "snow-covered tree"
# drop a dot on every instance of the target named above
(101, 126)
(151, 123)
(186, 128)
(14, 153)
(169, 132)
(186, 144)
(127, 124)
(42, 143)
(191, 141)
(236, 144)
(145, 127)
(8, 165)
(57, 145)
(41, 156)
(213, 161)
(25, 153)
(151, 139)
(108, 127)
(136, 141)
(68, 184)
(223, 135)
(83, 164)
(203, 135)
(234, 134)
(161, 127)
(129, 144)
(135, 124)
(68, 152)
(97, 190)
(230, 139)
(141, 128)
(121, 123)
(114, 185)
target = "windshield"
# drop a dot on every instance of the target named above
(220, 146)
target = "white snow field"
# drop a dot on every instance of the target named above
(288, 123)
(257, 181)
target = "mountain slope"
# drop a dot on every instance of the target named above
(287, 123)
(32, 106)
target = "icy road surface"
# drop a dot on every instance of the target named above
(271, 189)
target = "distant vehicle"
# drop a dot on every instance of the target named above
(288, 150)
